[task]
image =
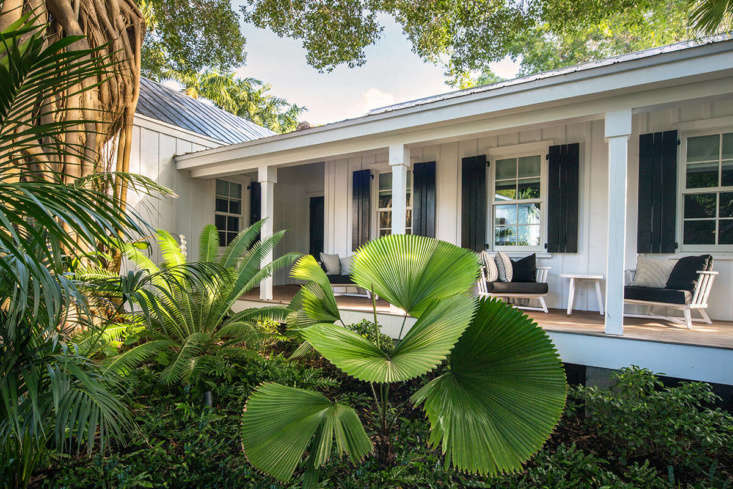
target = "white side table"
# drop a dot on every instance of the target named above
(580, 276)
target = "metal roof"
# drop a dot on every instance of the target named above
(680, 46)
(167, 105)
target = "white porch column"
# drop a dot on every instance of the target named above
(399, 162)
(617, 131)
(267, 176)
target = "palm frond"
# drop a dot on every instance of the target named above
(209, 244)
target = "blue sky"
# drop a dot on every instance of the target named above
(392, 73)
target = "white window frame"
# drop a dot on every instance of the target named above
(540, 148)
(375, 201)
(229, 214)
(682, 191)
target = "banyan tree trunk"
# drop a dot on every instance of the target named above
(117, 28)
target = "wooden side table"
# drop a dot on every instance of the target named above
(580, 276)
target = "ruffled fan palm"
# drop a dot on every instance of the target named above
(495, 402)
(192, 322)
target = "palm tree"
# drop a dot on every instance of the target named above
(50, 396)
(712, 16)
(193, 322)
(492, 405)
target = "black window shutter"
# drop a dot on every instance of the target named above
(562, 199)
(423, 199)
(255, 202)
(473, 203)
(361, 197)
(657, 193)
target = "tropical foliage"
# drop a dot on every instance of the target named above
(50, 395)
(491, 406)
(189, 324)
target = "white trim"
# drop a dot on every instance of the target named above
(705, 124)
(176, 131)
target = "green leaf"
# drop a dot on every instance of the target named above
(279, 425)
(425, 346)
(209, 244)
(170, 249)
(413, 271)
(502, 397)
(316, 295)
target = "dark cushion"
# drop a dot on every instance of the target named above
(525, 269)
(684, 273)
(516, 287)
(657, 294)
(339, 279)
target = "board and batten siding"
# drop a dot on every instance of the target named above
(154, 145)
(593, 192)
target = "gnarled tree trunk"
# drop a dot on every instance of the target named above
(117, 28)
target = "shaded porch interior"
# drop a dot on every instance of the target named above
(719, 334)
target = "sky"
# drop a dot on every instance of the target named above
(392, 74)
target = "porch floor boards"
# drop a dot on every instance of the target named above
(718, 334)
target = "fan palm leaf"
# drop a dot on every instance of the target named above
(502, 395)
(280, 423)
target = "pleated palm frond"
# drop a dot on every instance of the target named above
(502, 395)
(712, 16)
(315, 298)
(280, 423)
(423, 348)
(411, 272)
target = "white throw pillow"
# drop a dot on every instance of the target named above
(492, 273)
(504, 265)
(652, 272)
(346, 265)
(331, 263)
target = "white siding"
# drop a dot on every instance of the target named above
(591, 256)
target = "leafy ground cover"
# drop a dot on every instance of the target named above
(638, 435)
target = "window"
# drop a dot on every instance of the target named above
(516, 202)
(228, 210)
(707, 190)
(384, 207)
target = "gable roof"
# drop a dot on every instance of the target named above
(165, 104)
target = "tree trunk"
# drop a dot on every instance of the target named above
(116, 27)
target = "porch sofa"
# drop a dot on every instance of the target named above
(338, 271)
(683, 284)
(513, 279)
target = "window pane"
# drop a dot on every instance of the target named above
(231, 236)
(529, 166)
(233, 224)
(504, 236)
(728, 145)
(409, 181)
(408, 218)
(385, 220)
(727, 174)
(506, 169)
(528, 235)
(221, 205)
(529, 189)
(221, 187)
(385, 201)
(725, 235)
(409, 199)
(385, 181)
(726, 204)
(506, 190)
(222, 238)
(505, 215)
(235, 207)
(384, 232)
(702, 175)
(220, 222)
(700, 232)
(700, 205)
(235, 190)
(529, 213)
(703, 148)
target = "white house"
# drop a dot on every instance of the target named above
(587, 167)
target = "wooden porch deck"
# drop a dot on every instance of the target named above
(719, 334)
